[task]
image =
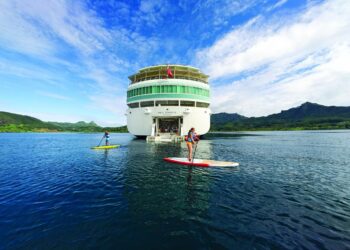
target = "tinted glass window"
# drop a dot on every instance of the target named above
(187, 103)
(133, 105)
(147, 104)
(202, 104)
(161, 103)
(173, 103)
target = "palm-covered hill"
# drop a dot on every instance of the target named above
(307, 116)
(10, 122)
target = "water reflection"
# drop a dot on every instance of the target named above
(162, 189)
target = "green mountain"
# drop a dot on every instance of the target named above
(225, 117)
(307, 116)
(10, 118)
(10, 122)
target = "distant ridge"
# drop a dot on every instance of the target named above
(306, 116)
(312, 110)
(10, 122)
(226, 117)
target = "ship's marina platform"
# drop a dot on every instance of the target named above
(165, 137)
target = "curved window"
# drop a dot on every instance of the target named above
(168, 89)
(187, 103)
(202, 104)
(133, 105)
(167, 103)
(147, 104)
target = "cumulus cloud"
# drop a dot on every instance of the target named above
(56, 38)
(268, 65)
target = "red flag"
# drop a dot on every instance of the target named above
(168, 71)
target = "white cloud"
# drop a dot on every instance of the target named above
(282, 62)
(277, 4)
(53, 95)
(112, 103)
(150, 13)
(56, 38)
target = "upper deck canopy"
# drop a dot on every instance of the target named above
(160, 72)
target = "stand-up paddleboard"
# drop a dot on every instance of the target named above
(106, 147)
(201, 162)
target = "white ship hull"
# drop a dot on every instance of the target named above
(148, 121)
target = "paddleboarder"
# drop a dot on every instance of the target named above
(191, 139)
(107, 137)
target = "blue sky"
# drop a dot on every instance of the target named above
(69, 60)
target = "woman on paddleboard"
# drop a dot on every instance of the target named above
(191, 139)
(107, 137)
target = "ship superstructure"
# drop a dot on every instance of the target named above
(166, 100)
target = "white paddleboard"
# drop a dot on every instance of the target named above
(201, 162)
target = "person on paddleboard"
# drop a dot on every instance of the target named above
(107, 138)
(191, 139)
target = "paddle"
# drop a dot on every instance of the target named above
(101, 141)
(194, 153)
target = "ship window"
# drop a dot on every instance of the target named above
(202, 104)
(173, 103)
(147, 104)
(167, 103)
(168, 89)
(187, 103)
(161, 103)
(133, 105)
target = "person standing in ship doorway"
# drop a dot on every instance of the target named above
(107, 138)
(190, 141)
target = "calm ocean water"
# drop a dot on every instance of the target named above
(291, 191)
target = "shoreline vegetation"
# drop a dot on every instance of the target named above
(15, 123)
(308, 116)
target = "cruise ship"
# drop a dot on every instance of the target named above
(168, 100)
